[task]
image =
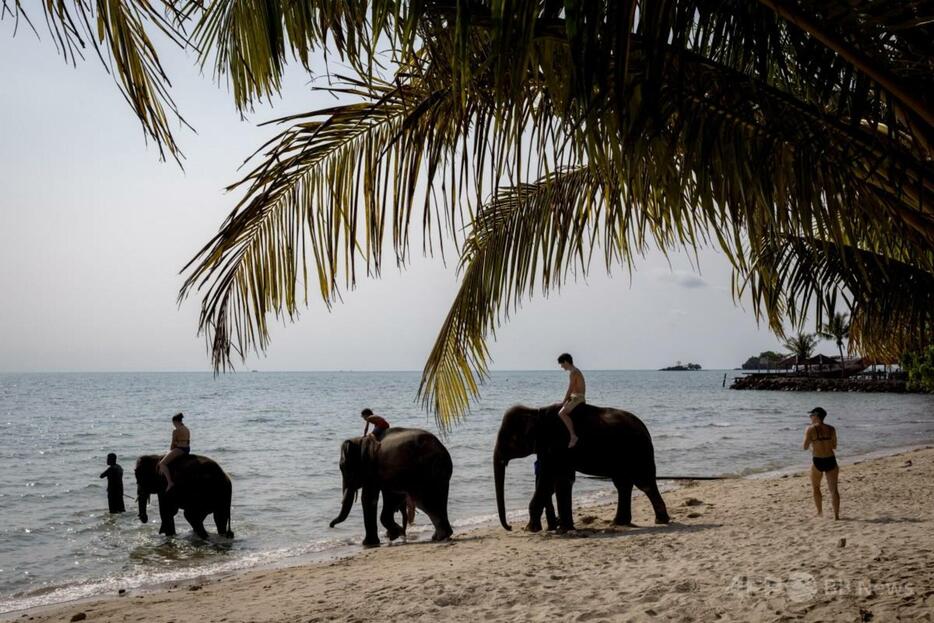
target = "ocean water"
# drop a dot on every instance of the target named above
(278, 436)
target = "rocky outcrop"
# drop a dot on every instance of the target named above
(815, 384)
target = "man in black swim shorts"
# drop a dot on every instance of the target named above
(821, 439)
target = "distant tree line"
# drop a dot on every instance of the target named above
(765, 359)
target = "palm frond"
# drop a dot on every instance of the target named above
(602, 126)
(118, 32)
(890, 301)
(250, 42)
(535, 236)
(305, 199)
(528, 234)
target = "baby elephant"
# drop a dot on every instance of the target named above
(406, 462)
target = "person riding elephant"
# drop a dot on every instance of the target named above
(612, 443)
(405, 462)
(201, 488)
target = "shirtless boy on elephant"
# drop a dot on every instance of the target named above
(574, 397)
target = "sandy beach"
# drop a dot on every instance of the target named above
(737, 550)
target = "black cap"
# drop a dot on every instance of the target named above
(819, 412)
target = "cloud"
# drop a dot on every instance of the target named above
(681, 278)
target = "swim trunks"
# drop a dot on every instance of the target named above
(573, 402)
(825, 464)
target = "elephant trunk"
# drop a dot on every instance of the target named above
(499, 477)
(346, 505)
(143, 500)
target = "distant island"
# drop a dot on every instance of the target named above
(765, 360)
(678, 367)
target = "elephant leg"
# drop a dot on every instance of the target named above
(541, 500)
(222, 521)
(196, 520)
(435, 506)
(167, 514)
(655, 497)
(392, 502)
(535, 514)
(563, 491)
(624, 504)
(370, 503)
(551, 519)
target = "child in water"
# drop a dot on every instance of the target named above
(114, 476)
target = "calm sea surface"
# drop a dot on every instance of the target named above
(278, 436)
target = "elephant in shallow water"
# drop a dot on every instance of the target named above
(201, 489)
(406, 462)
(612, 443)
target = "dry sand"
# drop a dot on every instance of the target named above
(738, 550)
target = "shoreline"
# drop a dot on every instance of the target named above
(488, 530)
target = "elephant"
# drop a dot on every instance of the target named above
(201, 488)
(613, 443)
(405, 462)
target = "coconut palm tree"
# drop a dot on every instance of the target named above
(802, 347)
(837, 328)
(530, 136)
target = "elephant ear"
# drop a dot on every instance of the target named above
(350, 454)
(369, 447)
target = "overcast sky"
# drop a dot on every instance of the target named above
(94, 229)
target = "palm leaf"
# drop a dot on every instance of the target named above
(891, 301)
(304, 199)
(118, 31)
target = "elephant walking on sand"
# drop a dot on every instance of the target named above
(613, 443)
(406, 462)
(201, 489)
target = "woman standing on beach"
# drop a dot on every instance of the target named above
(181, 444)
(822, 440)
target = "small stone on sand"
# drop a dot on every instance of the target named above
(842, 543)
(79, 617)
(692, 502)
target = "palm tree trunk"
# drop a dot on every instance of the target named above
(842, 366)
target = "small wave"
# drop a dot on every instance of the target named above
(82, 589)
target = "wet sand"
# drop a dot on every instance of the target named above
(736, 550)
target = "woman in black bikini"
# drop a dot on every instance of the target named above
(822, 440)
(181, 445)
